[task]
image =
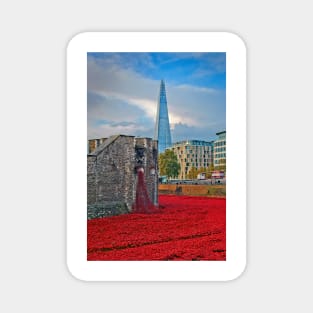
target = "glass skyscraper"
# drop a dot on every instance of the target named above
(162, 131)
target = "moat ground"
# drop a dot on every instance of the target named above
(185, 228)
(193, 190)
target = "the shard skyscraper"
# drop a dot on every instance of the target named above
(162, 131)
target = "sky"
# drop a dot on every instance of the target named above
(123, 93)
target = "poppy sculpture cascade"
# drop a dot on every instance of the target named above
(142, 203)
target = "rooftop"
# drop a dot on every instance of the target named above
(193, 142)
(222, 132)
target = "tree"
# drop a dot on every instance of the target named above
(192, 174)
(210, 169)
(168, 164)
(201, 170)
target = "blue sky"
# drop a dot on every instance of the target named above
(123, 92)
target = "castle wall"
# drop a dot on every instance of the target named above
(111, 170)
(94, 143)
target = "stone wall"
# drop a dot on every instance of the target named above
(94, 143)
(111, 172)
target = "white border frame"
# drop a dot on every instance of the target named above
(77, 50)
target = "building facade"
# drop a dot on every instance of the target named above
(220, 149)
(193, 153)
(162, 132)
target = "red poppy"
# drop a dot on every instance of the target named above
(184, 228)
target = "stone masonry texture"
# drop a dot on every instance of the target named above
(112, 174)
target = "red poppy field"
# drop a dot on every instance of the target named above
(185, 228)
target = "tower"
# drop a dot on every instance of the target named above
(162, 131)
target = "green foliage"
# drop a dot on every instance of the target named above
(192, 174)
(201, 170)
(210, 169)
(168, 164)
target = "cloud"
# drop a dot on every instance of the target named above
(190, 88)
(110, 108)
(109, 80)
(206, 133)
(109, 116)
(121, 99)
(106, 130)
(196, 106)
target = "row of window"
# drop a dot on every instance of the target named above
(195, 156)
(219, 143)
(189, 165)
(218, 162)
(192, 163)
(195, 160)
(220, 155)
(193, 147)
(220, 149)
(198, 151)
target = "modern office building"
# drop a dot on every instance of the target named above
(193, 153)
(162, 131)
(220, 149)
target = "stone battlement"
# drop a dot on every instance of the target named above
(112, 170)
